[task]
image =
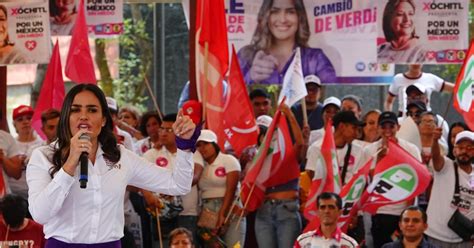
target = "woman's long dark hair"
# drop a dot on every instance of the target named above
(450, 144)
(106, 137)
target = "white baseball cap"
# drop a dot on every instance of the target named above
(207, 136)
(332, 100)
(111, 103)
(264, 120)
(312, 79)
(464, 135)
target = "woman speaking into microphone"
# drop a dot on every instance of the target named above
(94, 216)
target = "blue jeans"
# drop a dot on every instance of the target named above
(278, 223)
(233, 235)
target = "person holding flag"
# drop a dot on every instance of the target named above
(452, 191)
(271, 183)
(385, 221)
(10, 161)
(328, 234)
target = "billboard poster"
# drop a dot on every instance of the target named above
(104, 17)
(24, 32)
(337, 40)
(425, 32)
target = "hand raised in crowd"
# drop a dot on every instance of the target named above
(285, 109)
(437, 132)
(183, 126)
(263, 66)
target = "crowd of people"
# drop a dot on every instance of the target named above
(184, 188)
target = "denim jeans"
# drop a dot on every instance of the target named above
(233, 235)
(278, 223)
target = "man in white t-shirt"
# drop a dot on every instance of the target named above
(9, 158)
(385, 221)
(346, 127)
(414, 75)
(165, 157)
(123, 138)
(27, 140)
(331, 106)
(443, 202)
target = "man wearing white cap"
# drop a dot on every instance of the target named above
(452, 190)
(314, 109)
(331, 106)
(123, 137)
(414, 75)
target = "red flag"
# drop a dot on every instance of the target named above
(2, 185)
(211, 65)
(240, 127)
(464, 89)
(79, 64)
(274, 164)
(398, 177)
(329, 182)
(52, 92)
(351, 194)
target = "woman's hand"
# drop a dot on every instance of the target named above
(263, 66)
(77, 147)
(183, 126)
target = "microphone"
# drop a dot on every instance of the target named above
(84, 163)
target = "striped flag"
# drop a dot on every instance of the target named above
(274, 164)
(464, 89)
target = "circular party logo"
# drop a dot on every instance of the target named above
(220, 172)
(162, 162)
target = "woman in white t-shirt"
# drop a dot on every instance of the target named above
(219, 186)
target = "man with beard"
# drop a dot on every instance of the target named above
(444, 201)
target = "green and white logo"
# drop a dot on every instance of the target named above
(464, 94)
(395, 184)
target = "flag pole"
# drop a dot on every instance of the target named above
(230, 210)
(241, 215)
(204, 82)
(150, 91)
(305, 113)
(159, 226)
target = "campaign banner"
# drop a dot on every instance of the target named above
(24, 32)
(336, 39)
(104, 17)
(427, 32)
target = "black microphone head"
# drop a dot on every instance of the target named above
(85, 136)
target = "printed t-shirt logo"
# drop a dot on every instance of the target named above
(162, 162)
(220, 172)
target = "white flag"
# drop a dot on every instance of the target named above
(294, 87)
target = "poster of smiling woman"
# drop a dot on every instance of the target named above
(337, 39)
(104, 17)
(428, 32)
(24, 32)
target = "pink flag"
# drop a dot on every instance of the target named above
(52, 92)
(79, 64)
